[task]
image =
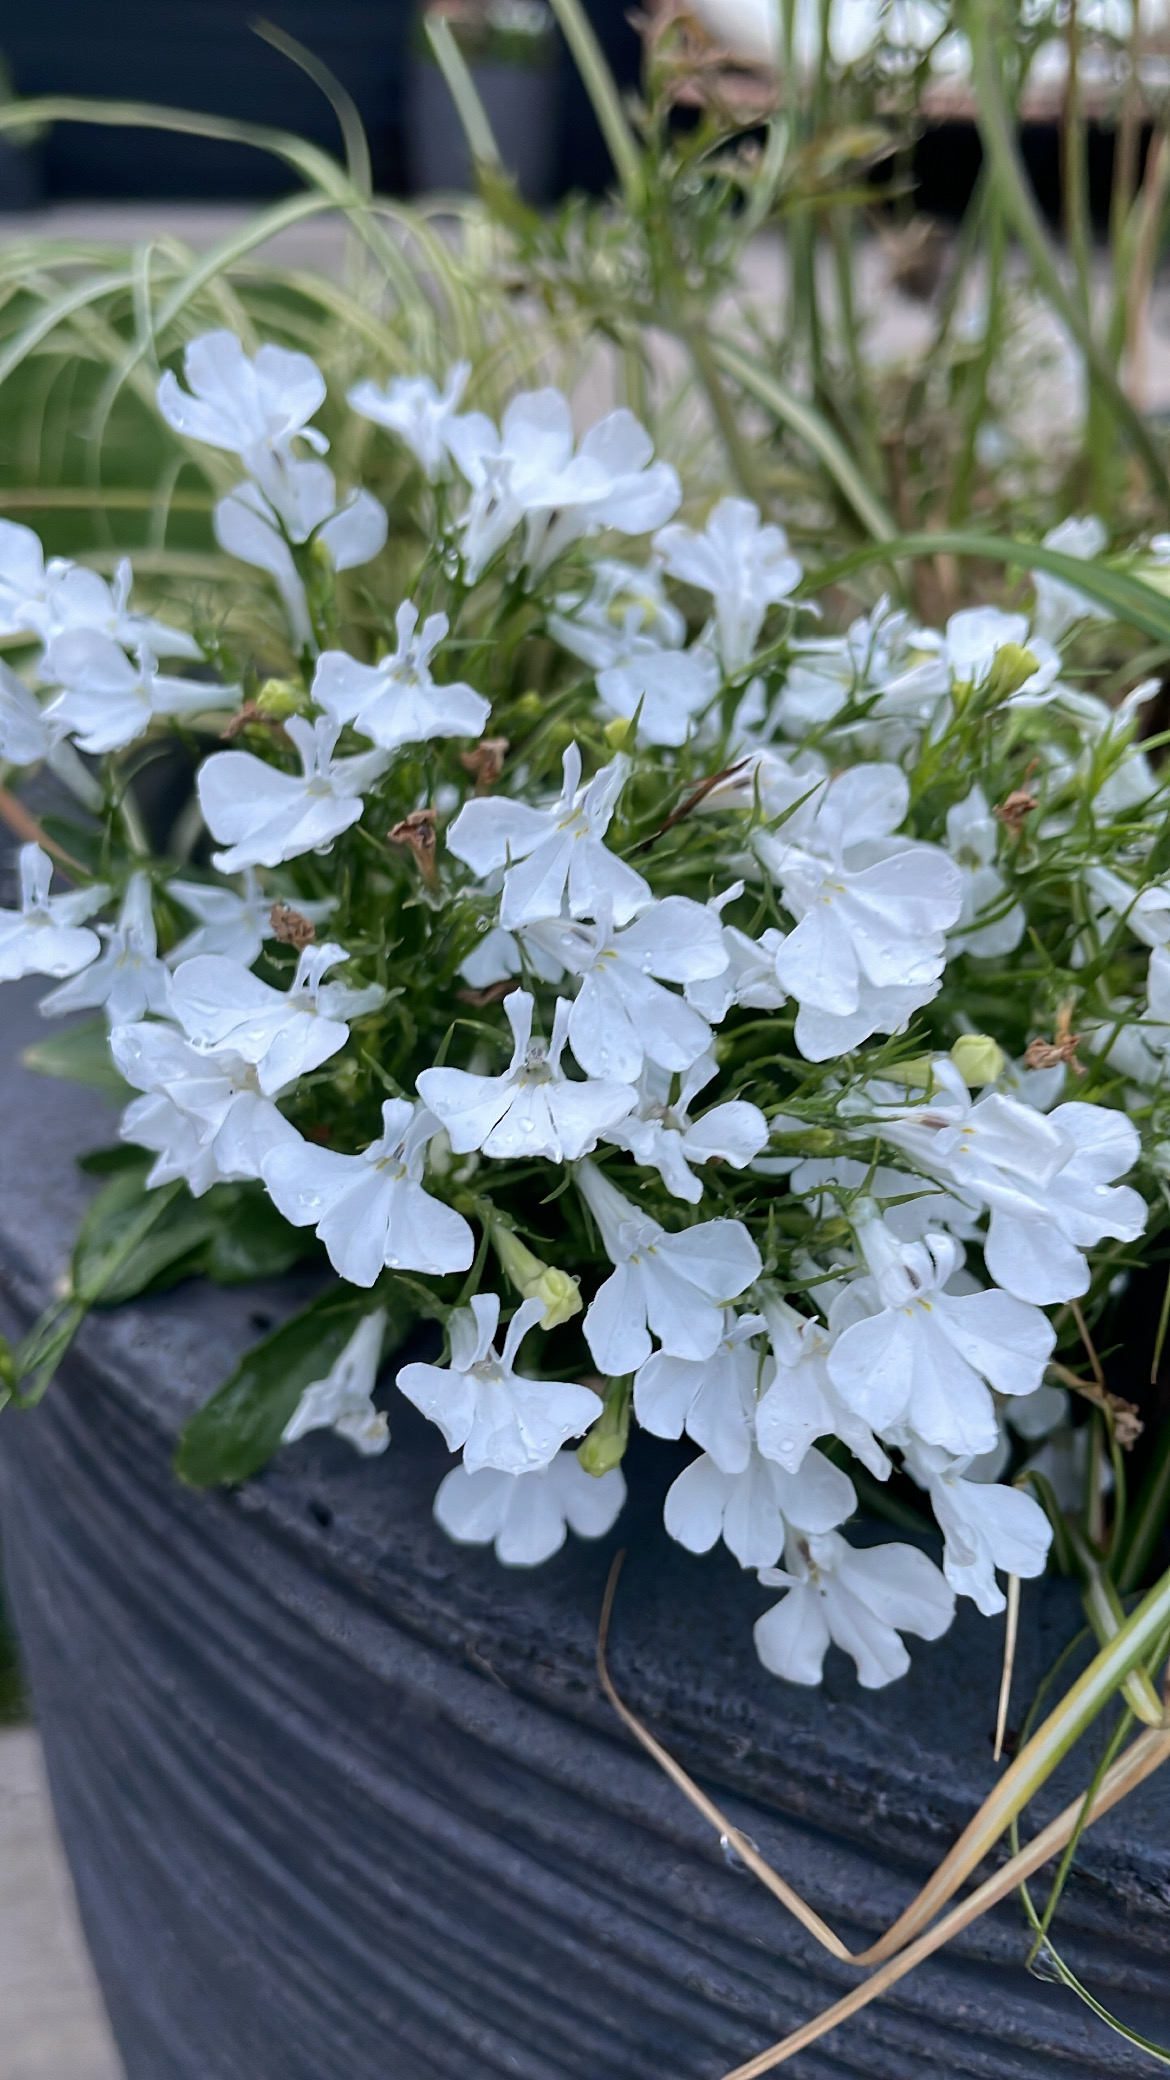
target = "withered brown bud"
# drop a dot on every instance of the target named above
(290, 927)
(1015, 811)
(417, 831)
(1048, 1054)
(485, 762)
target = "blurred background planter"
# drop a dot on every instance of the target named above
(343, 1800)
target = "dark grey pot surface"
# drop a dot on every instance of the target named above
(343, 1801)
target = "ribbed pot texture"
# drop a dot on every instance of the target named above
(344, 1801)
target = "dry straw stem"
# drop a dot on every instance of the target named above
(903, 1946)
(25, 826)
(1147, 1754)
(1011, 1634)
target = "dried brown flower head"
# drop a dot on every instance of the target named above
(417, 832)
(1014, 812)
(290, 926)
(485, 762)
(1048, 1054)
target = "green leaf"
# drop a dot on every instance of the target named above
(81, 1054)
(129, 1234)
(1127, 598)
(240, 1428)
(107, 1162)
(252, 1240)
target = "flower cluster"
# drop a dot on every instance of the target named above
(661, 933)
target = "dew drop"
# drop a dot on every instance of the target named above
(731, 1856)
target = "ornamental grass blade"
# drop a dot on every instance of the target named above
(1125, 598)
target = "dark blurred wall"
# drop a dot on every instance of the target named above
(203, 55)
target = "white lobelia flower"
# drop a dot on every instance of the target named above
(985, 1526)
(988, 923)
(48, 935)
(713, 1399)
(752, 1509)
(397, 701)
(264, 816)
(622, 1016)
(23, 582)
(858, 1599)
(416, 410)
(745, 567)
(910, 1354)
(499, 1417)
(204, 1115)
(128, 979)
(79, 598)
(750, 975)
(1047, 1178)
(284, 1033)
(665, 689)
(250, 526)
(1146, 911)
(44, 600)
(27, 736)
(799, 1401)
(559, 848)
(499, 956)
(526, 1515)
(627, 614)
(343, 1400)
(676, 1285)
(253, 408)
(106, 701)
(231, 924)
(532, 1109)
(528, 471)
(370, 1210)
(872, 911)
(826, 671)
(1060, 605)
(663, 1137)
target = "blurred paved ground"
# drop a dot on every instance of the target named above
(52, 2022)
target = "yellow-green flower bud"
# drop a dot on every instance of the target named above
(280, 698)
(535, 1280)
(915, 1075)
(605, 1446)
(530, 707)
(617, 733)
(1011, 666)
(978, 1058)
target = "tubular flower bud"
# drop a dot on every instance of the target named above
(535, 1280)
(979, 1059)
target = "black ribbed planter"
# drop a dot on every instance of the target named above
(343, 1801)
